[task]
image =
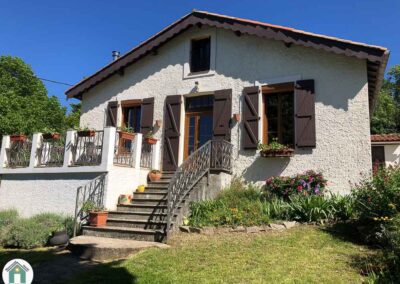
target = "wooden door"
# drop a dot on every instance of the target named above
(198, 130)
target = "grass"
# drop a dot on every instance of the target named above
(304, 254)
(34, 256)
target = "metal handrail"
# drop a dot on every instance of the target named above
(213, 155)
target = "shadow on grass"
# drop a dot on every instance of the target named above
(347, 232)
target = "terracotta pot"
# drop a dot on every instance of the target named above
(280, 153)
(98, 219)
(125, 199)
(236, 117)
(151, 140)
(51, 136)
(17, 137)
(126, 135)
(86, 133)
(59, 238)
(158, 122)
(155, 176)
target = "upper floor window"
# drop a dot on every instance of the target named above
(200, 55)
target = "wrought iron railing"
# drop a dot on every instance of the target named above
(213, 155)
(19, 154)
(91, 192)
(123, 152)
(51, 152)
(87, 149)
(146, 156)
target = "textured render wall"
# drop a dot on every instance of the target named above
(392, 155)
(31, 194)
(342, 121)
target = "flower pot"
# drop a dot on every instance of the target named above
(17, 137)
(155, 176)
(278, 153)
(158, 122)
(86, 133)
(125, 199)
(236, 117)
(51, 136)
(151, 140)
(126, 135)
(59, 238)
(98, 219)
(140, 188)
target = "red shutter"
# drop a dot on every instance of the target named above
(111, 114)
(250, 118)
(305, 113)
(222, 113)
(172, 119)
(146, 121)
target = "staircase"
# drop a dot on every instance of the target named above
(144, 219)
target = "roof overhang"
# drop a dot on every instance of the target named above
(375, 56)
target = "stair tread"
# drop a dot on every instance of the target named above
(125, 229)
(135, 220)
(137, 213)
(140, 205)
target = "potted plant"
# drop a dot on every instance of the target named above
(155, 175)
(59, 236)
(17, 137)
(141, 188)
(126, 133)
(275, 149)
(97, 214)
(50, 134)
(125, 199)
(86, 132)
(149, 137)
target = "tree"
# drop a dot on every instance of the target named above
(72, 119)
(24, 104)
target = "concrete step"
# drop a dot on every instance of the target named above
(157, 186)
(137, 215)
(101, 249)
(131, 223)
(155, 190)
(148, 201)
(150, 195)
(142, 208)
(125, 233)
(158, 182)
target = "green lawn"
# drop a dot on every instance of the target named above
(304, 254)
(34, 257)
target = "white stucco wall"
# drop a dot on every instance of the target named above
(392, 155)
(342, 120)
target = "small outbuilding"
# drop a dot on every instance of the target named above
(385, 149)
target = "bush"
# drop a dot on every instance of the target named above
(7, 218)
(379, 197)
(309, 183)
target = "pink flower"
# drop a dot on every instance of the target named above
(299, 188)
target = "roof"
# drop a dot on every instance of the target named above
(394, 137)
(376, 56)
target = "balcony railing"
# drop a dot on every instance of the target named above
(51, 152)
(87, 149)
(147, 154)
(18, 154)
(123, 154)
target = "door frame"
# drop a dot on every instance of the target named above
(186, 131)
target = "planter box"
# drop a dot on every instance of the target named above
(98, 219)
(151, 140)
(126, 135)
(17, 137)
(280, 153)
(51, 136)
(86, 133)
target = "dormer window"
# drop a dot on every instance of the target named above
(200, 55)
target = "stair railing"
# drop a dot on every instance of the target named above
(92, 191)
(213, 155)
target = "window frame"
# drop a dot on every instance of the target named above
(273, 89)
(191, 55)
(130, 104)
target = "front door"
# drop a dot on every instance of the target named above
(198, 130)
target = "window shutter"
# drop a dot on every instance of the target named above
(146, 121)
(111, 114)
(222, 112)
(172, 119)
(250, 118)
(305, 113)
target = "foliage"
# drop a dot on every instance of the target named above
(7, 217)
(149, 134)
(91, 206)
(72, 119)
(308, 183)
(274, 146)
(126, 129)
(24, 104)
(378, 197)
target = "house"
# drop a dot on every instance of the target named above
(386, 149)
(17, 273)
(209, 88)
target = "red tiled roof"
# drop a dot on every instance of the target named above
(385, 138)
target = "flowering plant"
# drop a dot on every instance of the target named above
(308, 183)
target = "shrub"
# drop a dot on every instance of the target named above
(309, 183)
(27, 234)
(7, 217)
(379, 197)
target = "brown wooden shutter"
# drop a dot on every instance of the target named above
(305, 113)
(111, 114)
(222, 113)
(250, 118)
(146, 121)
(172, 119)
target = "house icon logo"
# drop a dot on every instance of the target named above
(17, 271)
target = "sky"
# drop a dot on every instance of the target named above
(68, 40)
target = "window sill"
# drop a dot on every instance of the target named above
(199, 74)
(282, 153)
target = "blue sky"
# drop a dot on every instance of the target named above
(67, 40)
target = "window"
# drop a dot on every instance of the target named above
(200, 55)
(201, 102)
(378, 155)
(131, 117)
(279, 117)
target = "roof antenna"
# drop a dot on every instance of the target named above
(115, 55)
